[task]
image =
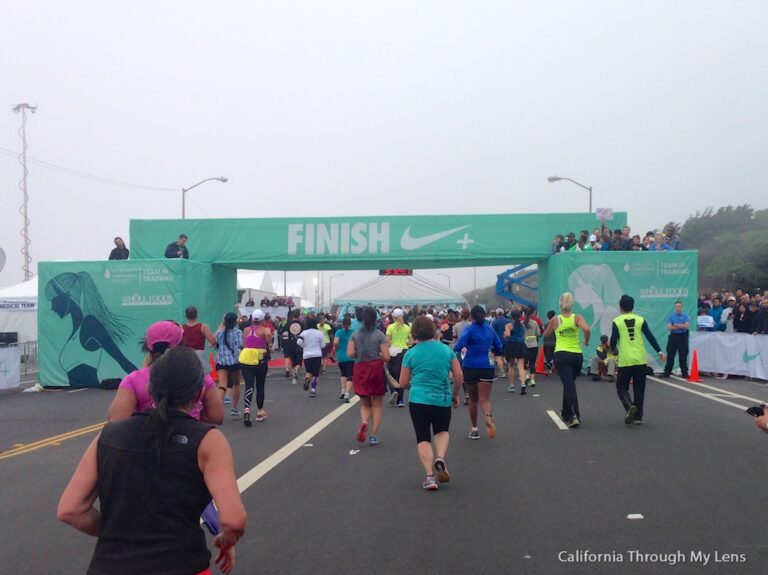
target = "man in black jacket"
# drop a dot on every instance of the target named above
(178, 249)
(120, 252)
(760, 325)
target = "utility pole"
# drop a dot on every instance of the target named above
(24, 210)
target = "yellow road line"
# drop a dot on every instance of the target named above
(50, 441)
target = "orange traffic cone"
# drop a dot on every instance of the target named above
(540, 369)
(214, 373)
(693, 377)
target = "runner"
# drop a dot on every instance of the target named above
(628, 332)
(152, 486)
(399, 340)
(325, 328)
(457, 331)
(346, 364)
(479, 340)
(133, 393)
(196, 334)
(446, 328)
(568, 356)
(292, 352)
(370, 349)
(532, 334)
(515, 351)
(426, 370)
(229, 342)
(254, 359)
(311, 342)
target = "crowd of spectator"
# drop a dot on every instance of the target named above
(737, 312)
(277, 301)
(603, 240)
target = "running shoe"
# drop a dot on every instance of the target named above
(466, 399)
(227, 401)
(247, 417)
(293, 381)
(400, 404)
(630, 417)
(261, 415)
(362, 432)
(574, 422)
(346, 398)
(306, 385)
(234, 412)
(474, 434)
(490, 426)
(430, 484)
(313, 392)
(287, 374)
(341, 395)
(511, 388)
(393, 397)
(442, 471)
(531, 382)
(522, 390)
(638, 422)
(373, 440)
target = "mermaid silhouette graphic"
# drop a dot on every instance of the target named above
(95, 329)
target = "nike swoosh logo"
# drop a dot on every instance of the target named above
(747, 357)
(409, 243)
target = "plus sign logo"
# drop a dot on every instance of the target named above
(465, 241)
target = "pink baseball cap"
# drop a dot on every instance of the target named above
(164, 332)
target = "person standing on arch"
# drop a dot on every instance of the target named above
(178, 249)
(627, 335)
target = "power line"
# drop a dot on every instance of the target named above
(84, 175)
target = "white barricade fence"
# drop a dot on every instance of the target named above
(10, 367)
(731, 353)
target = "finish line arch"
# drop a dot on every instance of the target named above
(93, 314)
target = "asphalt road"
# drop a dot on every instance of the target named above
(525, 502)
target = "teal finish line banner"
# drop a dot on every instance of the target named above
(364, 242)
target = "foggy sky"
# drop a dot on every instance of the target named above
(340, 108)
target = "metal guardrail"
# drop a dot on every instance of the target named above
(29, 356)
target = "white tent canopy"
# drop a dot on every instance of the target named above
(18, 310)
(400, 290)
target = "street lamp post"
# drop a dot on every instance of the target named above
(446, 275)
(553, 179)
(184, 191)
(330, 290)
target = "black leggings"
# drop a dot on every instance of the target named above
(568, 366)
(257, 373)
(428, 419)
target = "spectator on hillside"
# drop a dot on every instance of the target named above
(717, 314)
(760, 325)
(649, 240)
(727, 318)
(570, 241)
(626, 236)
(743, 319)
(617, 242)
(704, 321)
(592, 246)
(605, 240)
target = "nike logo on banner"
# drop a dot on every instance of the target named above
(409, 243)
(747, 357)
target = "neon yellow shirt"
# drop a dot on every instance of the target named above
(399, 334)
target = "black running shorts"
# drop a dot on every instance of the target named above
(429, 417)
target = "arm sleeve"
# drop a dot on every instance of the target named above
(170, 252)
(462, 343)
(112, 255)
(649, 336)
(614, 336)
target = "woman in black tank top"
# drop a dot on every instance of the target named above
(151, 474)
